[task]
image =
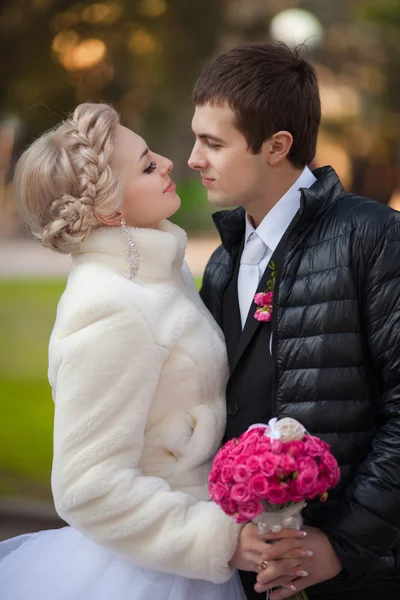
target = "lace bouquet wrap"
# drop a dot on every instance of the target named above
(267, 475)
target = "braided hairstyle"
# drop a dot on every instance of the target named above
(68, 176)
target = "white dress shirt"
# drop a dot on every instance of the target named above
(270, 231)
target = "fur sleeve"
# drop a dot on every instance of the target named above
(105, 379)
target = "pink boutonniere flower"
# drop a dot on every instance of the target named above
(264, 299)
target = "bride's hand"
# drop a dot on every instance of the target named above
(253, 549)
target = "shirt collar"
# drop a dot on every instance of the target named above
(275, 223)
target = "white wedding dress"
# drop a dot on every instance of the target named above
(62, 564)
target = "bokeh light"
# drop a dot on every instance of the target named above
(297, 26)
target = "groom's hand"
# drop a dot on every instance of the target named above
(322, 565)
(253, 549)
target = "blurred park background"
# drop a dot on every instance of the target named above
(143, 56)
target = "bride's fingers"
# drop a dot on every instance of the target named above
(254, 562)
(280, 549)
(276, 569)
(270, 536)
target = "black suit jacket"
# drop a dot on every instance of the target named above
(249, 389)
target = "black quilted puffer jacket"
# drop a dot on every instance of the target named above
(336, 351)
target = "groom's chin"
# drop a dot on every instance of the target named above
(217, 200)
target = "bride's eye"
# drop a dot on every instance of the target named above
(152, 166)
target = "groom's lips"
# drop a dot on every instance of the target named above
(206, 181)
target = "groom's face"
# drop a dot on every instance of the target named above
(232, 175)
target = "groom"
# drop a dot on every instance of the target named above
(330, 355)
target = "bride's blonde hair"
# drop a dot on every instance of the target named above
(68, 176)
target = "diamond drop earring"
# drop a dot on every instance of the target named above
(132, 253)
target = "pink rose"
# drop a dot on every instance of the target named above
(230, 445)
(250, 448)
(278, 493)
(268, 298)
(269, 463)
(259, 299)
(229, 506)
(226, 474)
(307, 479)
(241, 474)
(314, 446)
(219, 492)
(258, 486)
(214, 475)
(238, 450)
(295, 448)
(252, 463)
(276, 446)
(240, 493)
(329, 462)
(264, 445)
(324, 445)
(306, 462)
(323, 484)
(294, 494)
(263, 298)
(250, 509)
(252, 435)
(262, 314)
(222, 454)
(287, 464)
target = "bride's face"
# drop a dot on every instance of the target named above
(149, 192)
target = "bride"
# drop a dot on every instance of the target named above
(138, 371)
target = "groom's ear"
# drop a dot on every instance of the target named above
(277, 147)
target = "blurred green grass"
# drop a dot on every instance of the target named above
(27, 313)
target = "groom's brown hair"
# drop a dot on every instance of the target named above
(270, 88)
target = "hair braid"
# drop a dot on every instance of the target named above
(78, 177)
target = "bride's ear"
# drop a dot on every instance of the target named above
(112, 221)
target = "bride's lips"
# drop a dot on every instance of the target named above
(171, 187)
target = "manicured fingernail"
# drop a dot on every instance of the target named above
(301, 573)
(301, 534)
(290, 587)
(307, 553)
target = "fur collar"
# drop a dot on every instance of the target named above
(161, 250)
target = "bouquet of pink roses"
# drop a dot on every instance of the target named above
(269, 472)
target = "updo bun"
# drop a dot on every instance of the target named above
(67, 177)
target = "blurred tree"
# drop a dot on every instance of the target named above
(142, 56)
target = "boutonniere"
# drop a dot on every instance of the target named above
(264, 299)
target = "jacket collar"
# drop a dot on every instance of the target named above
(231, 226)
(315, 200)
(161, 250)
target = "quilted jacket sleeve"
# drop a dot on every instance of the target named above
(365, 524)
(105, 374)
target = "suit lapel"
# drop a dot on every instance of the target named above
(231, 324)
(251, 325)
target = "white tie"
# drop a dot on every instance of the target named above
(249, 273)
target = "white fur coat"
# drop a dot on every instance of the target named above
(138, 371)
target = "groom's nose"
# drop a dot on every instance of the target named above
(196, 159)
